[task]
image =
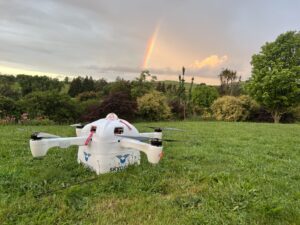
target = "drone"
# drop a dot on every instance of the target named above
(106, 145)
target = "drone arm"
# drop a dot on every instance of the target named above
(157, 135)
(40, 147)
(153, 153)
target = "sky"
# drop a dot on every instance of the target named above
(107, 39)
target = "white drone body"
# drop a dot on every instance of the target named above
(106, 145)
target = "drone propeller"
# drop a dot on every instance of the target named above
(42, 135)
(78, 125)
(164, 128)
(141, 138)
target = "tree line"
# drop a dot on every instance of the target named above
(271, 94)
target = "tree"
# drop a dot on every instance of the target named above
(153, 106)
(8, 107)
(88, 84)
(275, 81)
(229, 82)
(57, 107)
(75, 87)
(141, 85)
(181, 93)
(120, 85)
(203, 96)
(38, 83)
(100, 85)
(116, 102)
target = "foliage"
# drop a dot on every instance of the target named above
(75, 87)
(250, 105)
(230, 82)
(117, 102)
(177, 109)
(230, 108)
(161, 87)
(203, 96)
(275, 81)
(37, 83)
(8, 107)
(120, 85)
(141, 85)
(153, 106)
(296, 113)
(7, 91)
(57, 107)
(222, 177)
(84, 96)
(100, 85)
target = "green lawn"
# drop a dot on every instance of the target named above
(226, 173)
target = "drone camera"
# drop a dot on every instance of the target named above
(93, 129)
(119, 130)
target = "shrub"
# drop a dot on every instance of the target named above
(229, 108)
(8, 107)
(203, 96)
(84, 96)
(57, 107)
(117, 102)
(250, 105)
(153, 106)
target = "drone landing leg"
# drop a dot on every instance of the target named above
(153, 153)
(40, 147)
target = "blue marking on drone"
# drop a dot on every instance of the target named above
(86, 156)
(122, 158)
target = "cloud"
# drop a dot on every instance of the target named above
(66, 36)
(212, 61)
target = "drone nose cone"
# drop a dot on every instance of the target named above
(111, 116)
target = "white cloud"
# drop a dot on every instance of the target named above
(212, 61)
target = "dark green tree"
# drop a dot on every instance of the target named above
(88, 84)
(38, 83)
(275, 80)
(76, 87)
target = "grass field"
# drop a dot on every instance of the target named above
(226, 173)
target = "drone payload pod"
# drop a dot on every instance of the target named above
(106, 145)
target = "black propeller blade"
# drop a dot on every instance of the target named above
(42, 135)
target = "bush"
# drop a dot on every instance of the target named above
(229, 108)
(153, 106)
(177, 109)
(250, 105)
(57, 107)
(203, 96)
(8, 107)
(118, 102)
(84, 96)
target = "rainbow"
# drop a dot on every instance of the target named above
(150, 47)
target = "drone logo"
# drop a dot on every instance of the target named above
(86, 156)
(122, 158)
